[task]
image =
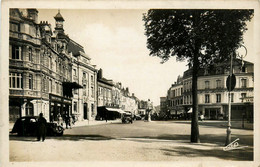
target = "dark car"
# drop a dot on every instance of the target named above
(27, 126)
(127, 118)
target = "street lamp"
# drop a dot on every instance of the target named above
(231, 82)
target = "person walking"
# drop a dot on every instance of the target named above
(60, 121)
(41, 125)
(67, 119)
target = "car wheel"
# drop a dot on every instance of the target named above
(59, 131)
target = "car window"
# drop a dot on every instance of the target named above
(32, 120)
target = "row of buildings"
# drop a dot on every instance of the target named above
(50, 73)
(212, 93)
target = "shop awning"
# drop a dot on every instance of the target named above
(72, 85)
(68, 86)
(116, 110)
(190, 111)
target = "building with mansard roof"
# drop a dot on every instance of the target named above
(41, 62)
(213, 95)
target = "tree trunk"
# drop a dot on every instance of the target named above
(194, 138)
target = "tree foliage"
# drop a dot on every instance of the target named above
(216, 33)
(203, 37)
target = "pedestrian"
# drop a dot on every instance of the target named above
(66, 121)
(41, 128)
(60, 121)
(70, 121)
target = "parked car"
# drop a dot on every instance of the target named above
(27, 126)
(127, 118)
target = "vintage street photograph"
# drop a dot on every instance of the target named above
(131, 85)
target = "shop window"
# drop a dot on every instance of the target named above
(75, 106)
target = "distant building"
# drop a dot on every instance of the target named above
(104, 90)
(175, 99)
(84, 99)
(163, 107)
(212, 92)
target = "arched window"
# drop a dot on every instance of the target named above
(29, 109)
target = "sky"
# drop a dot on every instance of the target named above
(115, 42)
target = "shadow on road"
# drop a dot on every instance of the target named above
(213, 139)
(235, 155)
(64, 137)
(220, 124)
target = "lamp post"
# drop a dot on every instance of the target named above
(231, 82)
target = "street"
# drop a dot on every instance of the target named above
(140, 141)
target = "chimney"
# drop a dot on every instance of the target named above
(100, 73)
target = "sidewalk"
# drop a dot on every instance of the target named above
(95, 122)
(238, 125)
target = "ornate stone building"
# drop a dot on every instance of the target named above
(40, 67)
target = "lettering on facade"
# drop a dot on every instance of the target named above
(55, 98)
(233, 145)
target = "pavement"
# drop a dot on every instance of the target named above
(140, 141)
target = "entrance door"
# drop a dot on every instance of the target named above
(85, 110)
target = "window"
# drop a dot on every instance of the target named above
(75, 106)
(30, 54)
(218, 83)
(29, 109)
(232, 97)
(92, 108)
(243, 83)
(92, 78)
(57, 88)
(206, 84)
(243, 95)
(84, 90)
(16, 80)
(218, 98)
(84, 75)
(207, 98)
(50, 86)
(15, 27)
(16, 52)
(50, 63)
(30, 81)
(243, 68)
(92, 91)
(74, 72)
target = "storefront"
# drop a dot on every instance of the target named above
(59, 105)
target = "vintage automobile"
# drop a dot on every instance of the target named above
(127, 118)
(27, 126)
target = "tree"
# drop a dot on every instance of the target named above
(202, 37)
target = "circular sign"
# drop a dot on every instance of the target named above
(231, 86)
